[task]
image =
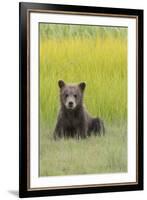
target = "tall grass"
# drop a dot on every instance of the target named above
(98, 56)
(58, 31)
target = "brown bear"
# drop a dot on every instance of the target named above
(73, 119)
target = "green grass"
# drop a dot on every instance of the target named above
(93, 155)
(98, 56)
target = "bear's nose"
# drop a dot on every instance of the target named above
(70, 103)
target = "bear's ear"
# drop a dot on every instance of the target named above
(61, 84)
(82, 85)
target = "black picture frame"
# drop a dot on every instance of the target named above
(24, 99)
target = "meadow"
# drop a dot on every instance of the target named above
(98, 56)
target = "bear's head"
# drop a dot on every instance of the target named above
(71, 95)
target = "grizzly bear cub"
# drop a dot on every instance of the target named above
(73, 120)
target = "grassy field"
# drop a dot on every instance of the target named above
(98, 56)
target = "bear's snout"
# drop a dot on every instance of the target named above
(70, 103)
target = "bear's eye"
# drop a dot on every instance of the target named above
(75, 95)
(66, 95)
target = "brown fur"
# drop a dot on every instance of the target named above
(73, 119)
